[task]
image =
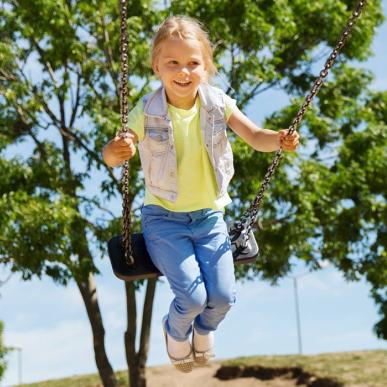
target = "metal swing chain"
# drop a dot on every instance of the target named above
(126, 238)
(250, 216)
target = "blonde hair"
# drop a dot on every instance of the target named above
(184, 27)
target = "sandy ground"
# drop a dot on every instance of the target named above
(167, 376)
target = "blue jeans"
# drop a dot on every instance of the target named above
(192, 250)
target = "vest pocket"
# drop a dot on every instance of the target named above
(228, 162)
(219, 141)
(219, 126)
(157, 169)
(157, 140)
(218, 121)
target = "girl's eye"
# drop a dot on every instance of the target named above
(194, 63)
(173, 62)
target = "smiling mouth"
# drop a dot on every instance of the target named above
(182, 84)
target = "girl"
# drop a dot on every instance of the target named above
(187, 161)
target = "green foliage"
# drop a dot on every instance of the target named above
(3, 352)
(59, 87)
(62, 115)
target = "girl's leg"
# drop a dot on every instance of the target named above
(213, 253)
(169, 242)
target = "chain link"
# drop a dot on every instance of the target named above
(126, 226)
(250, 216)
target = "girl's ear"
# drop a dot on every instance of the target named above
(155, 68)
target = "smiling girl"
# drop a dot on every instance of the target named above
(181, 132)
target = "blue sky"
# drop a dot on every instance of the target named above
(50, 324)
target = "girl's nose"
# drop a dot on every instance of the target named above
(184, 70)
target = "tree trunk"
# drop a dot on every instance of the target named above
(89, 294)
(137, 361)
(86, 284)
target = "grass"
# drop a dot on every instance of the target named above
(360, 368)
(91, 380)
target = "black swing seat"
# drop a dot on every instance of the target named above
(244, 247)
(143, 266)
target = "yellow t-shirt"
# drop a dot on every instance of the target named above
(196, 182)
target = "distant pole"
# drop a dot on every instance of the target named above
(321, 264)
(297, 316)
(20, 366)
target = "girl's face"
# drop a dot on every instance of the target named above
(180, 65)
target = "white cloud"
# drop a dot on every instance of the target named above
(56, 352)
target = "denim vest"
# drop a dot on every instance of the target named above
(157, 149)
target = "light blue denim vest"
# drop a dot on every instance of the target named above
(157, 149)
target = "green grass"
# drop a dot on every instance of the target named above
(365, 368)
(360, 368)
(91, 380)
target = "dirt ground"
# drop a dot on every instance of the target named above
(167, 376)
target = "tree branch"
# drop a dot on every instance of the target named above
(95, 156)
(28, 127)
(95, 202)
(55, 120)
(77, 102)
(47, 64)
(108, 52)
(141, 92)
(5, 76)
(232, 69)
(255, 91)
(61, 101)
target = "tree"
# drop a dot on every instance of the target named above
(3, 352)
(59, 76)
(73, 47)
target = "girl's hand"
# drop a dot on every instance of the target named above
(288, 143)
(120, 149)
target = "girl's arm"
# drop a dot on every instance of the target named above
(264, 140)
(116, 151)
